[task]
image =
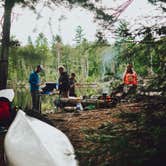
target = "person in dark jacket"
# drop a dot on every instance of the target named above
(72, 82)
(63, 83)
(34, 80)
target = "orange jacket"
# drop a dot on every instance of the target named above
(130, 79)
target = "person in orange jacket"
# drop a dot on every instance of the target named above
(130, 79)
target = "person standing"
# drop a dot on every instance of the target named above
(34, 80)
(63, 82)
(72, 82)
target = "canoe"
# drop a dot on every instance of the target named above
(31, 142)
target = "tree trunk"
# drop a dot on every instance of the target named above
(5, 44)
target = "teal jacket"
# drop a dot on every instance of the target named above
(34, 81)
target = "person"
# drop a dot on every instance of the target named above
(63, 83)
(130, 80)
(72, 82)
(34, 80)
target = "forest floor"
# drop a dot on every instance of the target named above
(74, 124)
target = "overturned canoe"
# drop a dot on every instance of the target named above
(31, 142)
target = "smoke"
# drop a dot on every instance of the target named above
(108, 62)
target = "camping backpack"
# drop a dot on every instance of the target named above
(7, 114)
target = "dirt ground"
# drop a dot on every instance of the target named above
(72, 124)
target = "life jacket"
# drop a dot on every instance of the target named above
(130, 79)
(5, 109)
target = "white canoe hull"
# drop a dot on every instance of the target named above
(7, 93)
(31, 142)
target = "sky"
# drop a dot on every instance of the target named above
(26, 23)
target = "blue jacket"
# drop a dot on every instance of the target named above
(34, 80)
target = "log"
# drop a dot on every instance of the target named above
(72, 102)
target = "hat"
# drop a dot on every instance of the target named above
(7, 93)
(40, 66)
(61, 67)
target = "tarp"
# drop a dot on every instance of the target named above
(31, 142)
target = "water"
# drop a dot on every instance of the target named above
(23, 99)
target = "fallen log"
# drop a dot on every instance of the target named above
(86, 103)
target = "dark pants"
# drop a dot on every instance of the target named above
(130, 89)
(36, 101)
(72, 92)
(64, 93)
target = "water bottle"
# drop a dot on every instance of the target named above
(79, 107)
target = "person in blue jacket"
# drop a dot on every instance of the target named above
(34, 80)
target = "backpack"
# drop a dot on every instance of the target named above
(7, 114)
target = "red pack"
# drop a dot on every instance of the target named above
(4, 110)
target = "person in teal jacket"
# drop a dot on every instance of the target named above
(34, 80)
